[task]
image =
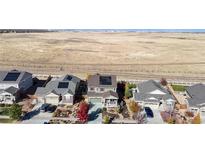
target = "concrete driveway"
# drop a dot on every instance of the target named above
(202, 117)
(40, 118)
(157, 119)
(95, 114)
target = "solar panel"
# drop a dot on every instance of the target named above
(12, 76)
(69, 77)
(63, 84)
(105, 80)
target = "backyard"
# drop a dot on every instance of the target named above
(180, 88)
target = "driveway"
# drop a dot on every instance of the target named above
(202, 117)
(39, 118)
(95, 114)
(157, 119)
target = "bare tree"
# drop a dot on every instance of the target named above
(163, 81)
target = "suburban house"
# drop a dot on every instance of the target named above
(196, 97)
(102, 90)
(12, 83)
(58, 91)
(152, 94)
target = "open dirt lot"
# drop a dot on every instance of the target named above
(129, 55)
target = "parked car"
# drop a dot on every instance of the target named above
(51, 108)
(149, 112)
(44, 107)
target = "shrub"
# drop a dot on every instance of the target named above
(106, 119)
(104, 109)
(15, 111)
(133, 106)
(119, 109)
(4, 111)
(128, 89)
(8, 105)
(170, 120)
(197, 119)
(2, 105)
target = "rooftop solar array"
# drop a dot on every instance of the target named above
(12, 76)
(105, 80)
(63, 84)
(69, 77)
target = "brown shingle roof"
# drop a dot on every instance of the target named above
(94, 81)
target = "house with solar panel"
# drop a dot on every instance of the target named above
(12, 83)
(102, 90)
(58, 91)
(152, 94)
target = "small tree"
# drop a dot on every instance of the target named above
(128, 89)
(15, 111)
(82, 113)
(136, 113)
(163, 81)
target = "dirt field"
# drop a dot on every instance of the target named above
(129, 55)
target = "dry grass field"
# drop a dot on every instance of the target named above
(127, 54)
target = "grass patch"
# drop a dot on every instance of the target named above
(4, 111)
(180, 88)
(6, 120)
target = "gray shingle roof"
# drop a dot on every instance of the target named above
(145, 89)
(197, 94)
(94, 94)
(149, 86)
(68, 77)
(110, 93)
(152, 97)
(196, 91)
(12, 90)
(94, 81)
(52, 86)
(104, 95)
(195, 102)
(23, 75)
(1, 90)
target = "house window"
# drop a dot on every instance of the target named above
(111, 101)
(92, 89)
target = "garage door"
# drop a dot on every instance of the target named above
(95, 100)
(52, 100)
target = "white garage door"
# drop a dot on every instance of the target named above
(52, 100)
(95, 100)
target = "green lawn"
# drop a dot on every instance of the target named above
(6, 121)
(4, 111)
(180, 88)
